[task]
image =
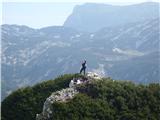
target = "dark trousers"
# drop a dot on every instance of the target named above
(83, 69)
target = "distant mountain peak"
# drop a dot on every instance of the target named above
(92, 17)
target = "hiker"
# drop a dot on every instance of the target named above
(83, 68)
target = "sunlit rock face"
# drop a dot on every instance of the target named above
(58, 96)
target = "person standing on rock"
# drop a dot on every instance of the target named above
(83, 68)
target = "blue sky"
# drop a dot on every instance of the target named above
(36, 14)
(44, 13)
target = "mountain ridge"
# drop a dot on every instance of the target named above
(101, 99)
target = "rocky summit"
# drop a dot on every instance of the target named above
(65, 94)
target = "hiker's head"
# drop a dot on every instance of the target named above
(84, 61)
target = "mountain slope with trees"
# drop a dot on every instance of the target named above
(32, 55)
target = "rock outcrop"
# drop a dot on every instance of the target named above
(58, 96)
(65, 94)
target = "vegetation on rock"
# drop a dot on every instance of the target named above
(103, 99)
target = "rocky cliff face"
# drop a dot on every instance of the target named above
(92, 17)
(65, 94)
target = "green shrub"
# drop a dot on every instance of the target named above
(105, 99)
(25, 103)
